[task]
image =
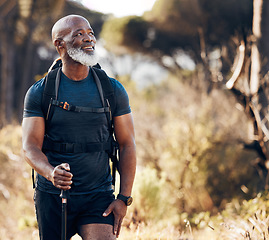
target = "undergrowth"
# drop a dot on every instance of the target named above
(247, 219)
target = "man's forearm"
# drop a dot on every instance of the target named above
(38, 161)
(127, 168)
(33, 130)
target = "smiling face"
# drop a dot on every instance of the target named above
(77, 38)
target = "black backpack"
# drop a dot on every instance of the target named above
(106, 91)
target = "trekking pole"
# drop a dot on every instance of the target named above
(64, 195)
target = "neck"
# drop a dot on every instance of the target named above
(75, 71)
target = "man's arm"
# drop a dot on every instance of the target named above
(33, 129)
(124, 132)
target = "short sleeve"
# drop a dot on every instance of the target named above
(33, 99)
(122, 99)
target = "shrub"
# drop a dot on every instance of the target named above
(152, 200)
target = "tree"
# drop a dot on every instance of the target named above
(237, 33)
(196, 26)
(121, 33)
(250, 83)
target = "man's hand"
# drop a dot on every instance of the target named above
(118, 208)
(61, 177)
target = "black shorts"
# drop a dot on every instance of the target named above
(81, 209)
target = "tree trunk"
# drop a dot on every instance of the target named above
(7, 77)
(26, 78)
(255, 55)
(264, 43)
(258, 85)
(254, 96)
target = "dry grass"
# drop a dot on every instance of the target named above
(16, 205)
(254, 228)
(248, 221)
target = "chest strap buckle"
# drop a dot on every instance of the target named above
(66, 106)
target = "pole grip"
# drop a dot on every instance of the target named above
(64, 194)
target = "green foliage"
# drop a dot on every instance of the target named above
(218, 20)
(234, 17)
(190, 25)
(112, 32)
(26, 222)
(175, 16)
(241, 219)
(238, 172)
(152, 202)
(248, 208)
(120, 32)
(194, 141)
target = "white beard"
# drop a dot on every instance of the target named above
(80, 56)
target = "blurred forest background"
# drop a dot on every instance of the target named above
(197, 75)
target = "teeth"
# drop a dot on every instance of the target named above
(88, 48)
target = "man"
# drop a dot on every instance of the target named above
(92, 210)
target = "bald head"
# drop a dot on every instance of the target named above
(74, 40)
(64, 26)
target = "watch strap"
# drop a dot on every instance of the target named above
(127, 200)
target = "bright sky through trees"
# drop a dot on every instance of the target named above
(120, 8)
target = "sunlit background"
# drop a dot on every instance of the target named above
(196, 72)
(120, 8)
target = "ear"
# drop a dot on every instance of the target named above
(59, 43)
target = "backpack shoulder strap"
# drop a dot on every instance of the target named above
(52, 81)
(108, 94)
(107, 87)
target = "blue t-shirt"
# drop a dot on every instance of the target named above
(91, 171)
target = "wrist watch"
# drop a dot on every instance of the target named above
(127, 200)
